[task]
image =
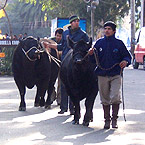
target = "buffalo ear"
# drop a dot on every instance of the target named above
(38, 38)
(70, 43)
(21, 42)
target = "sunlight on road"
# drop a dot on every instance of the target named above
(6, 91)
(7, 82)
(133, 111)
(77, 135)
(127, 139)
(30, 139)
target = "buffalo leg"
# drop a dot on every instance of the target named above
(42, 99)
(54, 74)
(22, 91)
(39, 99)
(89, 103)
(77, 113)
(48, 100)
(49, 93)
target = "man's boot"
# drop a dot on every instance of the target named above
(107, 117)
(115, 109)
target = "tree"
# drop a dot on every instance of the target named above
(106, 10)
(2, 7)
(27, 17)
(30, 14)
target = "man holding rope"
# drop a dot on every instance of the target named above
(75, 33)
(111, 56)
(57, 95)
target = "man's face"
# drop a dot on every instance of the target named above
(75, 24)
(58, 37)
(108, 31)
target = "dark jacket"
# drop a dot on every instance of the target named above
(110, 51)
(75, 36)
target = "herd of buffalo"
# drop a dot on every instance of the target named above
(33, 65)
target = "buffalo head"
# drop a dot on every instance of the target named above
(31, 48)
(80, 50)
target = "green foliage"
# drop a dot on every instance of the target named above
(106, 10)
(6, 63)
(26, 17)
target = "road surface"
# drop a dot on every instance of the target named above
(37, 126)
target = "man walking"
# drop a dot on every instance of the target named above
(75, 33)
(57, 39)
(112, 56)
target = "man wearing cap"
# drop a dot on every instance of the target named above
(75, 33)
(112, 56)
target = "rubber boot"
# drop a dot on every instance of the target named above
(107, 116)
(115, 109)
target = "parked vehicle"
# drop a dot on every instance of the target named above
(139, 53)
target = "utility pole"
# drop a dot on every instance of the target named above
(92, 20)
(132, 5)
(91, 8)
(142, 14)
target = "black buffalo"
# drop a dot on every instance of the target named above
(77, 74)
(32, 66)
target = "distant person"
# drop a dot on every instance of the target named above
(15, 37)
(20, 37)
(112, 57)
(7, 36)
(25, 35)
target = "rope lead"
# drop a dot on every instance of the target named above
(123, 97)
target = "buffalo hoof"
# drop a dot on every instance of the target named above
(42, 102)
(36, 104)
(85, 123)
(91, 120)
(42, 105)
(74, 122)
(22, 108)
(72, 112)
(47, 106)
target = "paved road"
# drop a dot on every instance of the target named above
(38, 126)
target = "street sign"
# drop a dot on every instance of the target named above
(9, 42)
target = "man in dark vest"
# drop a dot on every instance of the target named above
(75, 33)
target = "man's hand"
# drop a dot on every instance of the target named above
(123, 64)
(91, 51)
(48, 45)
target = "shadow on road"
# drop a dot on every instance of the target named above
(58, 130)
